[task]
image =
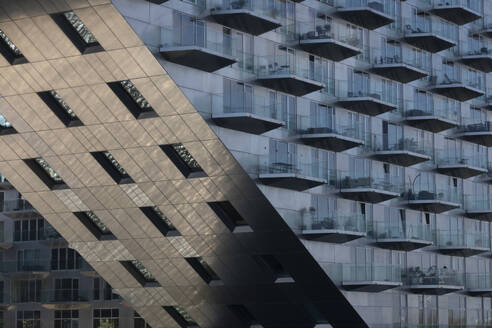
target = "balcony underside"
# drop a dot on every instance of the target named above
(459, 15)
(246, 122)
(332, 235)
(463, 171)
(400, 157)
(244, 20)
(435, 289)
(430, 42)
(66, 305)
(484, 292)
(157, 1)
(487, 32)
(329, 48)
(484, 215)
(370, 286)
(292, 181)
(197, 57)
(482, 138)
(430, 123)
(432, 205)
(366, 105)
(369, 195)
(463, 251)
(403, 244)
(457, 91)
(330, 141)
(291, 84)
(480, 62)
(366, 17)
(399, 72)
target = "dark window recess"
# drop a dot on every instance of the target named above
(140, 273)
(231, 218)
(112, 167)
(94, 225)
(11, 53)
(46, 173)
(6, 127)
(270, 263)
(60, 108)
(243, 314)
(204, 271)
(160, 221)
(182, 318)
(183, 160)
(77, 32)
(132, 99)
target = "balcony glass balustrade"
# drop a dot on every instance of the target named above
(461, 165)
(430, 199)
(459, 12)
(368, 187)
(433, 116)
(475, 53)
(334, 227)
(370, 14)
(371, 277)
(458, 84)
(434, 280)
(429, 34)
(399, 236)
(479, 284)
(400, 64)
(461, 243)
(476, 131)
(478, 207)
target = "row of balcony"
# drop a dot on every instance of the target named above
(40, 268)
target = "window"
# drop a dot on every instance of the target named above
(106, 318)
(94, 225)
(160, 221)
(28, 319)
(77, 32)
(30, 260)
(67, 290)
(46, 173)
(27, 290)
(6, 127)
(271, 264)
(204, 270)
(112, 167)
(67, 319)
(183, 160)
(8, 49)
(60, 108)
(65, 259)
(139, 272)
(132, 99)
(226, 212)
(138, 321)
(182, 318)
(25, 230)
(107, 291)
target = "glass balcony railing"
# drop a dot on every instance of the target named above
(476, 203)
(371, 272)
(403, 56)
(433, 276)
(328, 30)
(471, 158)
(452, 195)
(35, 265)
(16, 205)
(299, 66)
(377, 5)
(478, 281)
(413, 26)
(351, 180)
(268, 8)
(382, 142)
(370, 88)
(474, 47)
(384, 230)
(471, 125)
(457, 239)
(336, 221)
(309, 125)
(469, 4)
(47, 296)
(443, 78)
(438, 109)
(297, 165)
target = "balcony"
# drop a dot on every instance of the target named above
(198, 47)
(329, 135)
(460, 12)
(18, 209)
(397, 237)
(461, 166)
(294, 75)
(372, 278)
(477, 55)
(291, 174)
(368, 100)
(476, 132)
(479, 284)
(52, 238)
(478, 208)
(403, 67)
(369, 14)
(434, 117)
(439, 201)
(428, 34)
(434, 280)
(251, 16)
(455, 87)
(368, 188)
(65, 299)
(404, 151)
(246, 113)
(459, 243)
(334, 228)
(26, 269)
(332, 41)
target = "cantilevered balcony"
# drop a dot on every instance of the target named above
(454, 86)
(476, 132)
(460, 12)
(369, 188)
(27, 269)
(405, 151)
(197, 46)
(246, 112)
(463, 166)
(434, 280)
(251, 16)
(432, 200)
(18, 209)
(460, 243)
(403, 67)
(370, 14)
(329, 134)
(403, 238)
(428, 34)
(372, 278)
(294, 75)
(368, 99)
(292, 173)
(434, 117)
(65, 299)
(334, 227)
(331, 40)
(483, 27)
(476, 54)
(478, 207)
(479, 284)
